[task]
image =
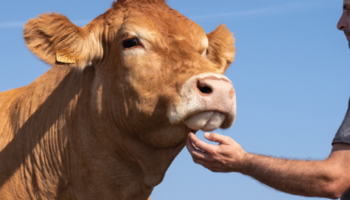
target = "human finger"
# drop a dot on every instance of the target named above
(195, 153)
(200, 144)
(214, 137)
(208, 165)
(203, 163)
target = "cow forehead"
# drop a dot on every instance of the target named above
(133, 28)
(153, 23)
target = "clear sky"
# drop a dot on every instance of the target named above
(291, 76)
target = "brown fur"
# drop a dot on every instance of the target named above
(98, 129)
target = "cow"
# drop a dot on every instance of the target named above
(114, 110)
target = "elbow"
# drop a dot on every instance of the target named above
(334, 195)
(334, 191)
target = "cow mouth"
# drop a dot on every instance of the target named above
(205, 121)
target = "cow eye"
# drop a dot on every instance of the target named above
(130, 43)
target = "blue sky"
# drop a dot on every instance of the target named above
(291, 76)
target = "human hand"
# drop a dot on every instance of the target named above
(228, 156)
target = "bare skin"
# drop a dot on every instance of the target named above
(328, 178)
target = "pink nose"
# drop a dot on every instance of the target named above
(217, 94)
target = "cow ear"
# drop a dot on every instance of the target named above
(221, 50)
(56, 40)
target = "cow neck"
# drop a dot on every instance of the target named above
(152, 161)
(45, 133)
(133, 157)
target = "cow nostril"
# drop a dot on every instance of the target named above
(205, 89)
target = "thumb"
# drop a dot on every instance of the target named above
(214, 137)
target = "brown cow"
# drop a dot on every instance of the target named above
(107, 120)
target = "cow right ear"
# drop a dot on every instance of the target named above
(56, 40)
(221, 50)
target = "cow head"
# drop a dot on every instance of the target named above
(157, 74)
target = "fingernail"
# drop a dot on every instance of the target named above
(206, 134)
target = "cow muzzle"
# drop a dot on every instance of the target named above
(207, 102)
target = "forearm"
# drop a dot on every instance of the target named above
(308, 178)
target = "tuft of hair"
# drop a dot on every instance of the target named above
(124, 2)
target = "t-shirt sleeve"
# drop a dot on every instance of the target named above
(343, 133)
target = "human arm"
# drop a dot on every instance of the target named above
(327, 178)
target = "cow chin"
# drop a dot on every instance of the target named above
(205, 121)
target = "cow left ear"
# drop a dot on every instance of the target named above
(221, 50)
(56, 40)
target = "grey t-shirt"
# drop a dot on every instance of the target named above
(346, 195)
(343, 133)
(343, 136)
